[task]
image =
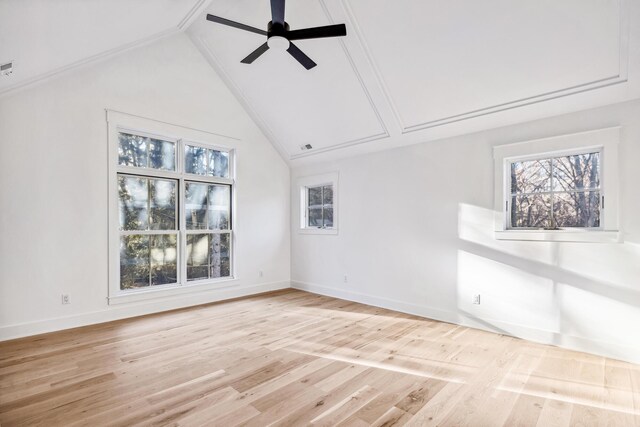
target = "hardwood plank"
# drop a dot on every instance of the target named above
(292, 358)
(525, 412)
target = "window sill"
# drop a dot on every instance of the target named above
(318, 231)
(150, 294)
(560, 236)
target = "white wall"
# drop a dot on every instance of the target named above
(415, 222)
(416, 234)
(53, 192)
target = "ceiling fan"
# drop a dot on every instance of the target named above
(279, 36)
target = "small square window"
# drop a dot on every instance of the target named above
(318, 207)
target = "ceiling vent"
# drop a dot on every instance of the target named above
(6, 69)
(306, 147)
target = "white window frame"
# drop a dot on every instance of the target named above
(604, 141)
(303, 192)
(121, 122)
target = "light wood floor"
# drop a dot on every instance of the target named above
(294, 358)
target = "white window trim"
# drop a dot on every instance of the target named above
(122, 122)
(316, 181)
(605, 141)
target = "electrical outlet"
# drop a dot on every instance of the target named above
(260, 274)
(345, 278)
(476, 299)
(65, 299)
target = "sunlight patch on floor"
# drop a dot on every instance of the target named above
(380, 365)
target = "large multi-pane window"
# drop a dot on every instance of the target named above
(174, 202)
(556, 192)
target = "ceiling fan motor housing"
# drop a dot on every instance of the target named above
(277, 29)
(277, 36)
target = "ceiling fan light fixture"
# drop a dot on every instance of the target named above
(279, 36)
(278, 43)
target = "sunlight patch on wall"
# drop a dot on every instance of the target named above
(477, 225)
(508, 294)
(595, 315)
(609, 263)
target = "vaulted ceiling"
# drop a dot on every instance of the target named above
(407, 72)
(44, 37)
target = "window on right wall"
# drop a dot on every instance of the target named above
(562, 188)
(556, 192)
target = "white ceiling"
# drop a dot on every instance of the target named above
(407, 72)
(448, 58)
(417, 70)
(45, 37)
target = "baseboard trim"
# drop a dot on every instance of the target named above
(111, 313)
(396, 305)
(583, 344)
(587, 345)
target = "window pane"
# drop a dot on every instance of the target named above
(219, 250)
(163, 254)
(327, 195)
(315, 217)
(315, 196)
(134, 194)
(580, 209)
(328, 217)
(532, 211)
(162, 154)
(134, 261)
(197, 256)
(577, 172)
(531, 176)
(162, 212)
(208, 256)
(219, 163)
(195, 160)
(196, 206)
(132, 150)
(219, 207)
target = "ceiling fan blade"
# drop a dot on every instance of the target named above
(255, 54)
(301, 57)
(235, 24)
(337, 30)
(277, 11)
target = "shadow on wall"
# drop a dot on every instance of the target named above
(556, 288)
